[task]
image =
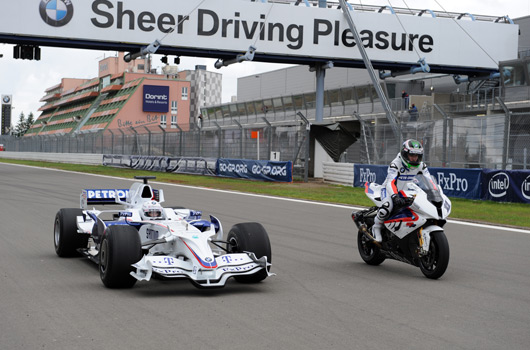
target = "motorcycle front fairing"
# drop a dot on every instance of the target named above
(429, 203)
(430, 198)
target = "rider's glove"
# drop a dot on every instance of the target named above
(400, 201)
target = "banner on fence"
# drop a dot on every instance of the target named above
(263, 170)
(149, 163)
(117, 160)
(363, 173)
(506, 185)
(462, 183)
(199, 166)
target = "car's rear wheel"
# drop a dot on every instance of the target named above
(250, 237)
(65, 236)
(120, 248)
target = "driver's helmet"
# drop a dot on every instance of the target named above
(411, 147)
(152, 209)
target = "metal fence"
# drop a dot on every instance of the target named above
(496, 141)
(500, 140)
(287, 142)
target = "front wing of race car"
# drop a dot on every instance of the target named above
(215, 275)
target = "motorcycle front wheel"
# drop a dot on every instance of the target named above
(369, 252)
(434, 264)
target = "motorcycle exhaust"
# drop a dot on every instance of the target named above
(356, 217)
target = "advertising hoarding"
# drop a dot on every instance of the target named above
(273, 28)
(155, 98)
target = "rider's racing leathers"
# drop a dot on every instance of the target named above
(398, 175)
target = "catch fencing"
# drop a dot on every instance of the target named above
(496, 140)
(285, 143)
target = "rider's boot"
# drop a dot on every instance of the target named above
(376, 232)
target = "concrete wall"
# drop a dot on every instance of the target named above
(75, 158)
(296, 80)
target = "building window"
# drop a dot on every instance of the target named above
(516, 76)
(174, 108)
(185, 93)
(163, 119)
(173, 121)
(105, 81)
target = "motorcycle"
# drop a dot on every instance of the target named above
(413, 233)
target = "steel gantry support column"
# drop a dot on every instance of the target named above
(320, 72)
(375, 79)
(321, 76)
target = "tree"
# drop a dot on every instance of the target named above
(30, 120)
(23, 124)
(20, 125)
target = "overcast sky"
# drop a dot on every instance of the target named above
(27, 80)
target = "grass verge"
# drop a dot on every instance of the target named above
(509, 214)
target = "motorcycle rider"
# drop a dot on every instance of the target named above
(407, 164)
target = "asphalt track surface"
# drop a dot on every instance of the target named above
(323, 296)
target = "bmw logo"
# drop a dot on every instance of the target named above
(56, 13)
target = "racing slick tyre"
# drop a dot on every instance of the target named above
(434, 264)
(120, 248)
(250, 237)
(65, 236)
(370, 253)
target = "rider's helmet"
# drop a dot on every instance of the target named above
(152, 209)
(411, 148)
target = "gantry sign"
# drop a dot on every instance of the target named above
(279, 32)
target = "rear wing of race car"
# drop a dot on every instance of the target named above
(108, 196)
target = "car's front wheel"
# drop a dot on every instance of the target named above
(250, 237)
(120, 248)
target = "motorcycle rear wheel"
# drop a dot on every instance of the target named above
(370, 253)
(434, 264)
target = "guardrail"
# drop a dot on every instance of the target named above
(338, 173)
(263, 170)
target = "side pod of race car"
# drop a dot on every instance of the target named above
(142, 239)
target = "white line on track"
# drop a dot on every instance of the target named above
(493, 227)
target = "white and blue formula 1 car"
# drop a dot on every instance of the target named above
(144, 239)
